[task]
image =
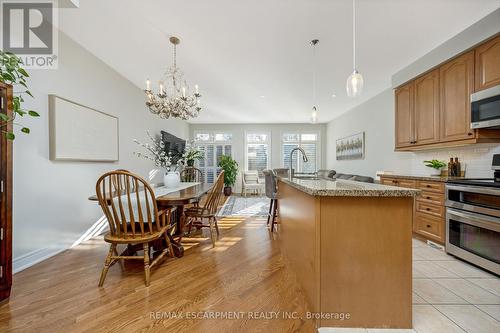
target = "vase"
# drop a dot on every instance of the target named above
(435, 172)
(190, 163)
(171, 179)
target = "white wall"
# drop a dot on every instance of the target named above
(376, 118)
(238, 131)
(51, 210)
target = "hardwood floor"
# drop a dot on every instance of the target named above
(243, 273)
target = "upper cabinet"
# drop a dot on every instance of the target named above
(417, 111)
(457, 84)
(427, 108)
(404, 116)
(488, 64)
(433, 110)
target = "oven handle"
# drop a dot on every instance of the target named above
(484, 221)
(473, 189)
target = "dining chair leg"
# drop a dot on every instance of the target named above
(212, 236)
(115, 252)
(273, 220)
(190, 222)
(146, 262)
(216, 226)
(107, 262)
(169, 245)
(269, 213)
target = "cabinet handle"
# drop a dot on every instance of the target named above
(427, 209)
(428, 198)
(469, 133)
(428, 226)
(427, 186)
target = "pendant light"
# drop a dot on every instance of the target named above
(314, 112)
(354, 84)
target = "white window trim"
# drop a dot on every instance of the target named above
(268, 142)
(212, 136)
(318, 145)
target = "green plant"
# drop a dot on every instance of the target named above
(192, 153)
(12, 73)
(435, 164)
(230, 168)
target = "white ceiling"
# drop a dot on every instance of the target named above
(252, 59)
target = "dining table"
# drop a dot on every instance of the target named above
(187, 193)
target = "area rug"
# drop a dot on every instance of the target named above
(245, 206)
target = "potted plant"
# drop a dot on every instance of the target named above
(12, 73)
(435, 166)
(230, 168)
(191, 154)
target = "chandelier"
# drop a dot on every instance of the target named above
(173, 99)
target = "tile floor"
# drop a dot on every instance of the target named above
(449, 295)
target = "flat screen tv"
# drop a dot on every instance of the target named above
(173, 144)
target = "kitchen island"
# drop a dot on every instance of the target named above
(350, 246)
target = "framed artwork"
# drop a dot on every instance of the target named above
(351, 147)
(80, 133)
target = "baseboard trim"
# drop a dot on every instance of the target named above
(34, 257)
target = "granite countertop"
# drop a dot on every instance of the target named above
(347, 188)
(421, 177)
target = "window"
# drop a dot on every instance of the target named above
(307, 141)
(213, 145)
(257, 151)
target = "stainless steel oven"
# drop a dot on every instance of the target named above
(485, 108)
(473, 223)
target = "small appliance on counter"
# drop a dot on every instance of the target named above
(485, 108)
(473, 219)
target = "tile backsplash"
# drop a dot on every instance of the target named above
(476, 160)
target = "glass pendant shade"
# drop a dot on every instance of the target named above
(314, 115)
(354, 84)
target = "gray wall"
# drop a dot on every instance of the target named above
(473, 35)
(51, 210)
(238, 131)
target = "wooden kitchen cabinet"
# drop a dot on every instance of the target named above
(487, 60)
(434, 111)
(456, 86)
(426, 109)
(429, 207)
(404, 99)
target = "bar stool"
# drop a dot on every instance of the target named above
(271, 193)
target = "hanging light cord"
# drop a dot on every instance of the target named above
(353, 34)
(314, 74)
(175, 56)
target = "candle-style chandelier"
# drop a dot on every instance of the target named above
(173, 99)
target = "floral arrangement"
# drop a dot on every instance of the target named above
(157, 153)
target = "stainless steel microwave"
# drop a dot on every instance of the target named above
(485, 108)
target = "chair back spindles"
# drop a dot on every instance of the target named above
(214, 196)
(191, 174)
(129, 204)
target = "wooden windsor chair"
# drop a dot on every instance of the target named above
(194, 216)
(129, 204)
(192, 174)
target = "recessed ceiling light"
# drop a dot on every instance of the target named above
(262, 96)
(333, 95)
